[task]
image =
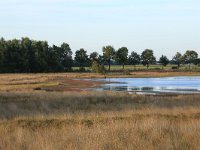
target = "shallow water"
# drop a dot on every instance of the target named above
(182, 85)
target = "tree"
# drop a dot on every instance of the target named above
(197, 61)
(94, 56)
(164, 60)
(190, 56)
(101, 59)
(37, 55)
(81, 57)
(66, 56)
(108, 53)
(27, 55)
(121, 56)
(178, 59)
(13, 57)
(134, 59)
(147, 57)
(2, 50)
(54, 59)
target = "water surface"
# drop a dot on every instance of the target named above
(180, 85)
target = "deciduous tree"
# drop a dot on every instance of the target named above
(108, 54)
(81, 57)
(164, 60)
(121, 56)
(147, 57)
(134, 59)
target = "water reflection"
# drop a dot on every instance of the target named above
(152, 85)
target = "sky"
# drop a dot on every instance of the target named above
(165, 26)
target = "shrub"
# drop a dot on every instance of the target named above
(97, 68)
(82, 69)
(174, 67)
(126, 72)
(157, 68)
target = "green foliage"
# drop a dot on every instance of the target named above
(97, 68)
(31, 56)
(81, 57)
(148, 57)
(66, 56)
(190, 56)
(94, 56)
(27, 55)
(178, 59)
(108, 53)
(121, 55)
(134, 59)
(164, 60)
(174, 68)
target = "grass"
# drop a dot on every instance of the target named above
(65, 82)
(35, 119)
(42, 120)
(151, 67)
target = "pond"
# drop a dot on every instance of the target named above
(179, 85)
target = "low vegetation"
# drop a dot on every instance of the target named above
(32, 118)
(41, 120)
(68, 81)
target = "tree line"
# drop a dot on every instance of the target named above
(30, 56)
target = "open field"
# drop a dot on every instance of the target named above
(41, 120)
(151, 67)
(52, 111)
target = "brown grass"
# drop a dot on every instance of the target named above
(65, 82)
(35, 119)
(41, 120)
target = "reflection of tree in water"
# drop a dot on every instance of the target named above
(127, 88)
(147, 88)
(163, 85)
(163, 88)
(133, 89)
(116, 88)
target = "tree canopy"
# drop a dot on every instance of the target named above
(134, 58)
(147, 57)
(121, 56)
(108, 54)
(178, 59)
(81, 57)
(31, 56)
(27, 55)
(164, 60)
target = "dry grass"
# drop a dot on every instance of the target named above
(63, 82)
(41, 120)
(35, 120)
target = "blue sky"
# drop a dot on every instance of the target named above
(166, 26)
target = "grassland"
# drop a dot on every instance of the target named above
(33, 118)
(151, 67)
(65, 82)
(42, 120)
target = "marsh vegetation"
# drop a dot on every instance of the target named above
(32, 118)
(42, 120)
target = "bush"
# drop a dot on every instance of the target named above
(174, 67)
(157, 68)
(97, 68)
(82, 69)
(126, 72)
